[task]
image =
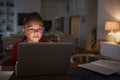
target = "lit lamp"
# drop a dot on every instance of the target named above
(117, 37)
(112, 26)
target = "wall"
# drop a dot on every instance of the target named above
(92, 20)
(107, 10)
(52, 9)
(26, 6)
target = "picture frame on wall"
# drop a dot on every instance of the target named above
(48, 25)
(21, 17)
(59, 24)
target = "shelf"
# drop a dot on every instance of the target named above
(7, 14)
(110, 49)
(2, 3)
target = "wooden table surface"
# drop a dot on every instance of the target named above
(72, 68)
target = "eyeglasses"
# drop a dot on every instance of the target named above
(32, 30)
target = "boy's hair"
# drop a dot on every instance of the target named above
(33, 16)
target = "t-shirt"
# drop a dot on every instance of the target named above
(15, 50)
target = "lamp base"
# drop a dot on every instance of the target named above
(110, 38)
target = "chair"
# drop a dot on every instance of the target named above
(81, 58)
(7, 58)
(93, 46)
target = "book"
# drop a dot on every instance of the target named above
(105, 67)
(5, 75)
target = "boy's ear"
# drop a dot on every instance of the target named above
(23, 29)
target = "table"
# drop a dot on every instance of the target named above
(74, 73)
(45, 77)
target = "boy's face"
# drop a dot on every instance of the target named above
(33, 31)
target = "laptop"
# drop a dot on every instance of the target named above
(35, 59)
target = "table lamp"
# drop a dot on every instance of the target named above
(112, 26)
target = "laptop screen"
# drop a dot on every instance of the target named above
(43, 58)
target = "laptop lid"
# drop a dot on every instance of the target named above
(43, 58)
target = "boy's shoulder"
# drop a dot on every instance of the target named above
(23, 40)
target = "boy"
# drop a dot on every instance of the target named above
(33, 29)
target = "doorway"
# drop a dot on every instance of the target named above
(74, 28)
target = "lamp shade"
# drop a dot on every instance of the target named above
(112, 25)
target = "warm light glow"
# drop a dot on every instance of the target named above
(113, 11)
(112, 25)
(117, 37)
